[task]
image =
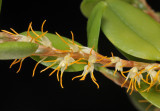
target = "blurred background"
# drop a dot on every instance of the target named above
(21, 92)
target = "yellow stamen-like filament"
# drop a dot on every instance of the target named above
(156, 78)
(14, 62)
(102, 58)
(17, 61)
(77, 61)
(54, 70)
(94, 80)
(20, 66)
(123, 74)
(106, 64)
(147, 89)
(147, 77)
(84, 76)
(115, 72)
(72, 38)
(28, 33)
(48, 67)
(8, 32)
(58, 74)
(145, 81)
(61, 38)
(130, 85)
(42, 26)
(41, 35)
(124, 83)
(37, 65)
(73, 45)
(37, 36)
(126, 71)
(33, 31)
(14, 31)
(153, 67)
(61, 80)
(112, 54)
(135, 85)
(77, 77)
(62, 50)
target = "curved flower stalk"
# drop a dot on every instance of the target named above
(76, 53)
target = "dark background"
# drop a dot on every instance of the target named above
(21, 92)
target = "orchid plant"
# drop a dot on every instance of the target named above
(135, 35)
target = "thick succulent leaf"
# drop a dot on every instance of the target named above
(94, 24)
(137, 101)
(152, 96)
(16, 50)
(59, 44)
(133, 32)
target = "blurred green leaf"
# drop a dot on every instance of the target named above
(152, 96)
(16, 50)
(140, 103)
(58, 44)
(94, 24)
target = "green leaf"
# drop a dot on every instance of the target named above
(132, 58)
(141, 106)
(58, 44)
(16, 50)
(152, 96)
(131, 30)
(94, 24)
